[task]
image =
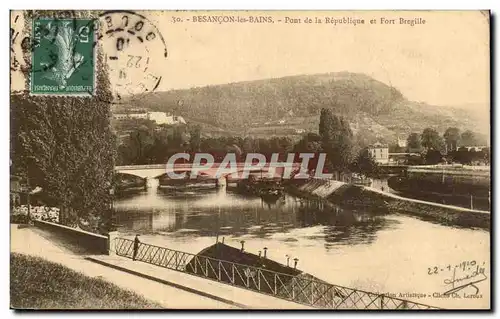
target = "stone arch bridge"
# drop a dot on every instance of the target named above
(157, 170)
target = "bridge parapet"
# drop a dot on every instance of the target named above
(139, 167)
(156, 170)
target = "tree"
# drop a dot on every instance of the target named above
(309, 143)
(433, 157)
(195, 139)
(364, 164)
(324, 121)
(344, 145)
(462, 155)
(65, 145)
(395, 148)
(414, 160)
(159, 151)
(141, 141)
(336, 140)
(413, 142)
(430, 139)
(328, 125)
(249, 145)
(487, 155)
(451, 137)
(468, 138)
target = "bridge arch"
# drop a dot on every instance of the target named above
(158, 171)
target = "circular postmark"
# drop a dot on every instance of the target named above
(133, 51)
(16, 38)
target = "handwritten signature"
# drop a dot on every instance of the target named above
(467, 280)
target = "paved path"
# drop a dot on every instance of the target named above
(35, 242)
(239, 297)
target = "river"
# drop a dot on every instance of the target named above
(365, 250)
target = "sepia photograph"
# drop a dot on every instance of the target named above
(257, 160)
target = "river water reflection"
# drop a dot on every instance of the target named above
(365, 250)
(211, 212)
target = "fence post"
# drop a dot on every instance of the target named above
(112, 237)
(220, 277)
(275, 285)
(382, 302)
(206, 267)
(258, 277)
(312, 292)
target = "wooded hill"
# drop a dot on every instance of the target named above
(291, 105)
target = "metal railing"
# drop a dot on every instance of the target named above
(303, 289)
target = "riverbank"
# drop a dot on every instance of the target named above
(349, 195)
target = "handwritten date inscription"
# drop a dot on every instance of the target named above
(466, 274)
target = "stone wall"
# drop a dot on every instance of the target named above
(92, 243)
(348, 195)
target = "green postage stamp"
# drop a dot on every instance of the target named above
(63, 57)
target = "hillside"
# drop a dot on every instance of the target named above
(291, 105)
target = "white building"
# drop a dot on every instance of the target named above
(475, 148)
(124, 116)
(164, 118)
(157, 117)
(379, 152)
(402, 142)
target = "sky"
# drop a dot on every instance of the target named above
(442, 62)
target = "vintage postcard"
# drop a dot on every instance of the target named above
(250, 160)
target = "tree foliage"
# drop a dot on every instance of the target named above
(432, 157)
(430, 139)
(195, 139)
(487, 155)
(336, 140)
(65, 145)
(468, 138)
(413, 142)
(154, 145)
(309, 143)
(233, 105)
(364, 164)
(452, 138)
(468, 157)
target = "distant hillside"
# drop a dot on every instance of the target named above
(291, 105)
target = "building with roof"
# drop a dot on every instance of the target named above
(379, 152)
(402, 142)
(157, 117)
